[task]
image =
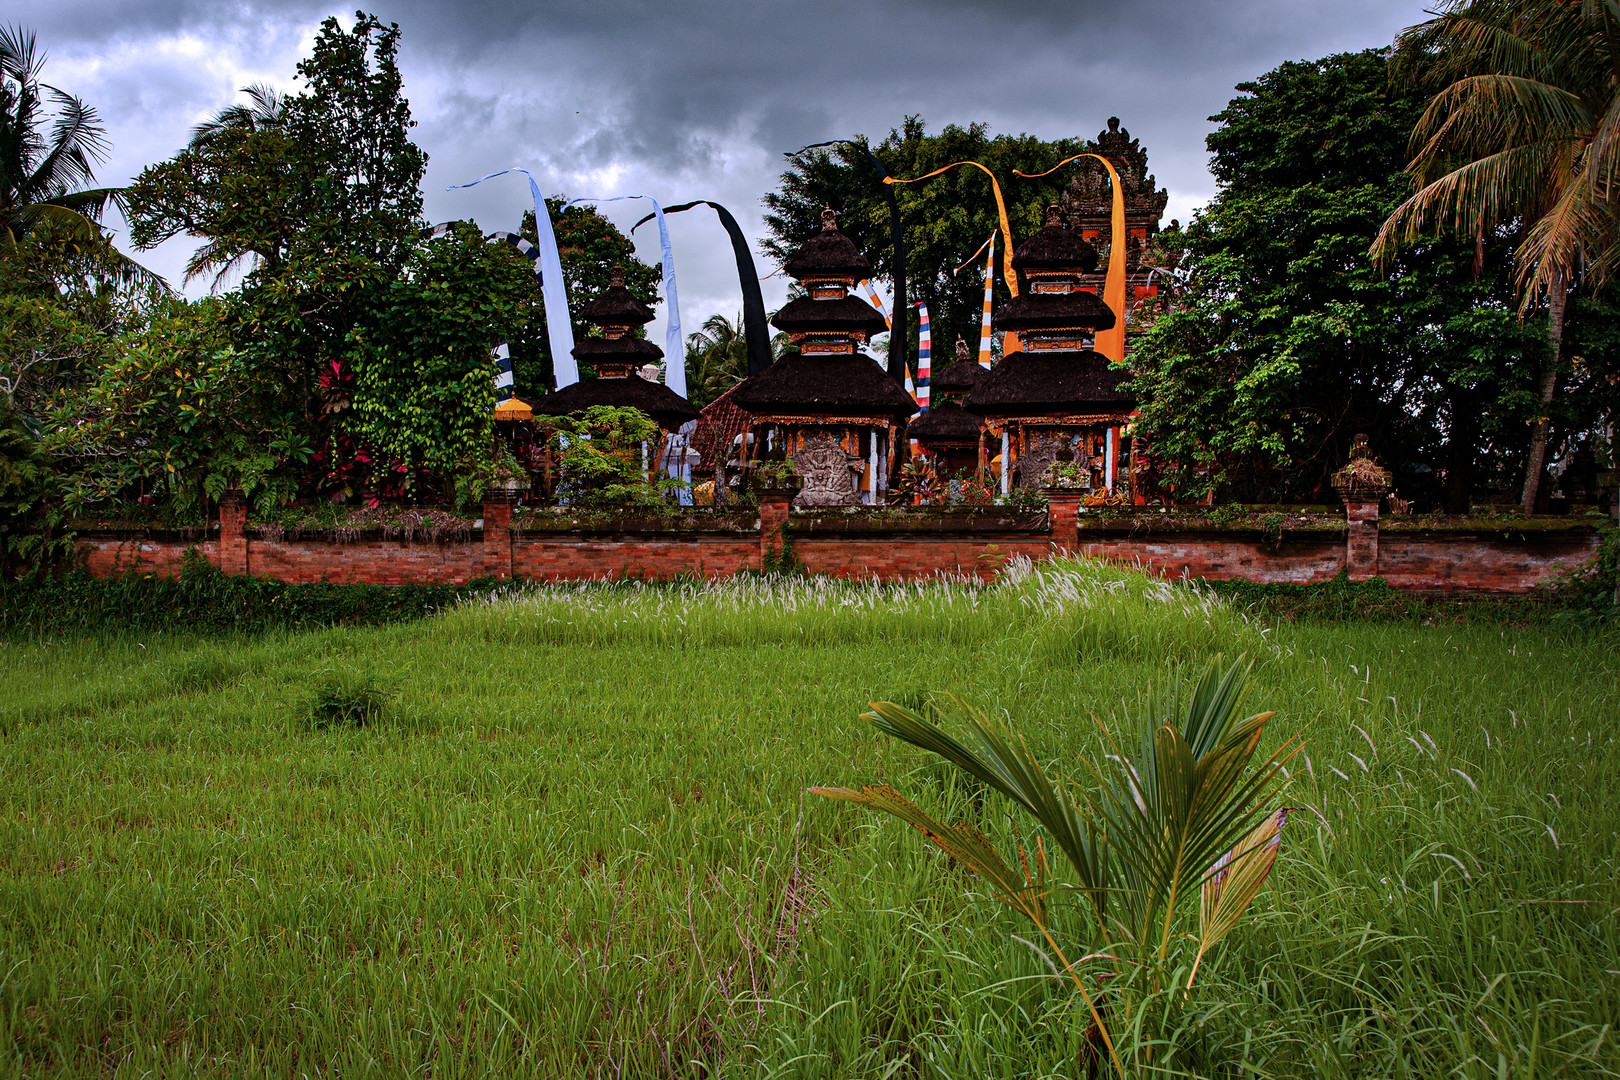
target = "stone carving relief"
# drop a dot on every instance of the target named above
(829, 473)
(1039, 453)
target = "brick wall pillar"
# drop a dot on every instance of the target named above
(1063, 516)
(774, 506)
(497, 557)
(1361, 546)
(233, 543)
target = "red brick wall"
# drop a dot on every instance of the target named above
(1222, 558)
(1478, 561)
(110, 556)
(898, 559)
(564, 558)
(367, 562)
(1484, 562)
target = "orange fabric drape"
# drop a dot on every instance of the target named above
(1009, 341)
(1111, 343)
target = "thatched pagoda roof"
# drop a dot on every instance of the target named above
(1047, 382)
(824, 384)
(848, 315)
(947, 423)
(1055, 247)
(828, 254)
(957, 377)
(616, 307)
(626, 349)
(658, 401)
(1054, 311)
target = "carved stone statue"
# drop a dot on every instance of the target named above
(1037, 458)
(829, 473)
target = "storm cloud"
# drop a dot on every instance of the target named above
(610, 97)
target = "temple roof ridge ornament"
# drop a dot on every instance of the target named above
(1089, 194)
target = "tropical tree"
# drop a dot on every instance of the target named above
(1523, 137)
(1167, 842)
(44, 174)
(716, 359)
(1284, 342)
(370, 338)
(946, 218)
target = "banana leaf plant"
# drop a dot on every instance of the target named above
(1167, 847)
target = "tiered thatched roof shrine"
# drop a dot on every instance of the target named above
(1056, 399)
(618, 357)
(828, 407)
(947, 431)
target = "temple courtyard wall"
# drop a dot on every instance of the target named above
(1428, 555)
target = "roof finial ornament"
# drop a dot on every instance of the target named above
(616, 276)
(961, 348)
(1054, 217)
(829, 219)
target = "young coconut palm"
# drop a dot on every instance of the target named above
(1168, 847)
(1524, 132)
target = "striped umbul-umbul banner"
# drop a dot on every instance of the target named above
(924, 352)
(989, 288)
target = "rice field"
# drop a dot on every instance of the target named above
(573, 839)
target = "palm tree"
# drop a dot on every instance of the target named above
(716, 359)
(42, 174)
(1523, 134)
(262, 112)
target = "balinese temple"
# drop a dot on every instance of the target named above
(1088, 204)
(1055, 399)
(619, 359)
(827, 406)
(948, 432)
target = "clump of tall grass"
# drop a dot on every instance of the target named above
(348, 697)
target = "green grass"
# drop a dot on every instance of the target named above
(573, 840)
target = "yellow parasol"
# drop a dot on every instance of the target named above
(514, 409)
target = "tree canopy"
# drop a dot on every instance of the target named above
(947, 218)
(1287, 341)
(1522, 134)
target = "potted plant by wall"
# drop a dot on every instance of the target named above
(775, 477)
(1362, 479)
(1066, 478)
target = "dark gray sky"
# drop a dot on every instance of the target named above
(684, 101)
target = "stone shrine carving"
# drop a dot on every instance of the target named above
(828, 471)
(1039, 454)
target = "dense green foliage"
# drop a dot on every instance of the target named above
(1522, 136)
(602, 455)
(577, 841)
(357, 349)
(204, 600)
(1287, 341)
(947, 218)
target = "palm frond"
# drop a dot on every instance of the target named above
(1482, 114)
(1234, 881)
(990, 757)
(1462, 41)
(961, 842)
(1577, 231)
(1497, 187)
(1602, 165)
(20, 58)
